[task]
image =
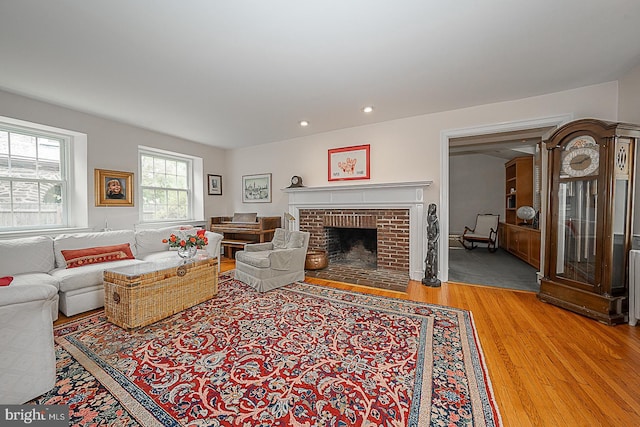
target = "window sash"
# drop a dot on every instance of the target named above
(166, 187)
(31, 198)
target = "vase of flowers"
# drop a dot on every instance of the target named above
(188, 244)
(187, 252)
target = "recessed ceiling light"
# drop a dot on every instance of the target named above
(367, 109)
(304, 123)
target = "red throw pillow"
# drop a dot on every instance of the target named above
(80, 257)
(6, 281)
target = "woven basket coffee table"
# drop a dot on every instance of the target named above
(141, 294)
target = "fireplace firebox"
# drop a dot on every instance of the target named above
(353, 246)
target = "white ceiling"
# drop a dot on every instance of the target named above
(239, 73)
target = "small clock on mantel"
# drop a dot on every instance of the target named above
(588, 222)
(296, 181)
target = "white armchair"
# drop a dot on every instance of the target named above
(266, 266)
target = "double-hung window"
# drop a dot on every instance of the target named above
(166, 185)
(33, 178)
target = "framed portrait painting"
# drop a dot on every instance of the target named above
(256, 188)
(214, 185)
(349, 163)
(113, 188)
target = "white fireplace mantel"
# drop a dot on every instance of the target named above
(400, 195)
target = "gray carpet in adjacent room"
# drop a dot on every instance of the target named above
(501, 269)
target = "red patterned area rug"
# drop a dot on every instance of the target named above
(302, 355)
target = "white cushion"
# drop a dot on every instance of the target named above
(485, 224)
(159, 256)
(91, 240)
(13, 294)
(213, 247)
(87, 275)
(256, 259)
(280, 239)
(148, 241)
(26, 255)
(29, 279)
(296, 240)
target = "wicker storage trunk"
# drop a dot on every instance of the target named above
(141, 294)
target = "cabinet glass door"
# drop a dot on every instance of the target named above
(620, 235)
(576, 236)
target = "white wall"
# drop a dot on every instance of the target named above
(408, 149)
(630, 113)
(630, 97)
(401, 150)
(476, 185)
(113, 145)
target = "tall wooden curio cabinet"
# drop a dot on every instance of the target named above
(588, 232)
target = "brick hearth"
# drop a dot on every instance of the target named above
(383, 279)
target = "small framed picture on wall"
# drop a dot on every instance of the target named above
(256, 188)
(214, 185)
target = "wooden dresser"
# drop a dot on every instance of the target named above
(237, 234)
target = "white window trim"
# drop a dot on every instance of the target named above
(77, 190)
(197, 186)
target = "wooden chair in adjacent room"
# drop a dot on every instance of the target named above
(485, 231)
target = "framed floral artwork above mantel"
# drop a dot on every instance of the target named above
(349, 163)
(113, 188)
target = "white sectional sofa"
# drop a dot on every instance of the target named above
(29, 262)
(80, 288)
(42, 284)
(39, 260)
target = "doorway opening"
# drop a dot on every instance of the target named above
(474, 182)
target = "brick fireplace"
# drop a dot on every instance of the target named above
(395, 210)
(391, 226)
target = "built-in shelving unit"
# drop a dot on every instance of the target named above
(520, 240)
(518, 186)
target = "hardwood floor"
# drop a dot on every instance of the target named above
(548, 367)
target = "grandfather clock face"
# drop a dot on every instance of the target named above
(577, 209)
(580, 158)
